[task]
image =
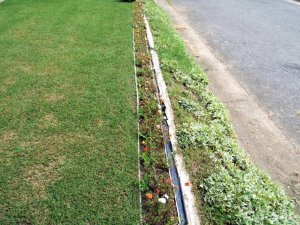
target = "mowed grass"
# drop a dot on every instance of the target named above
(68, 152)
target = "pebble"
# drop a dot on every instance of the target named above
(162, 200)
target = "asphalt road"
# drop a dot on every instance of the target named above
(259, 40)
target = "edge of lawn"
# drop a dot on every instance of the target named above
(229, 188)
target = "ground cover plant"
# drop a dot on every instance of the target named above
(158, 204)
(68, 129)
(229, 188)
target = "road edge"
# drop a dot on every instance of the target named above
(253, 126)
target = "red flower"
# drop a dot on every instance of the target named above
(149, 196)
(145, 148)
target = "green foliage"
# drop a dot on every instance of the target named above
(146, 159)
(236, 196)
(145, 183)
(191, 106)
(230, 189)
(194, 79)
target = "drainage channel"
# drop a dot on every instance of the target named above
(167, 135)
(174, 173)
(171, 162)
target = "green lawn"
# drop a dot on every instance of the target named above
(68, 151)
